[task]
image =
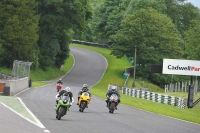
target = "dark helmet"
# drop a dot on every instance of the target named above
(85, 88)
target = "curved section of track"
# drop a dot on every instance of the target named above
(89, 68)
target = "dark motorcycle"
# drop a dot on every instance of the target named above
(112, 103)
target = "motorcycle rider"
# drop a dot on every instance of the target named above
(67, 92)
(84, 89)
(111, 91)
(59, 81)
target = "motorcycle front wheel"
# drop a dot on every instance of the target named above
(112, 107)
(82, 106)
(61, 112)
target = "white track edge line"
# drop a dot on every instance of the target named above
(18, 113)
(36, 119)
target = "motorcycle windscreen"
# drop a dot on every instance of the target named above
(85, 94)
(65, 99)
(114, 97)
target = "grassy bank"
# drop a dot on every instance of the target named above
(113, 75)
(40, 77)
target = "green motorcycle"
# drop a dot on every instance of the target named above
(62, 106)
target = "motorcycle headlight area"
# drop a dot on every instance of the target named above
(65, 101)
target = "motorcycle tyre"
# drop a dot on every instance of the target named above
(112, 107)
(83, 105)
(61, 112)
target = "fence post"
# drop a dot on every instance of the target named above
(182, 86)
(196, 86)
(170, 88)
(178, 86)
(185, 86)
(166, 89)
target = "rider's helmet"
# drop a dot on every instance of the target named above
(59, 80)
(113, 88)
(67, 89)
(85, 88)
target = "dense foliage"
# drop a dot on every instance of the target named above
(18, 31)
(57, 20)
(158, 28)
(40, 31)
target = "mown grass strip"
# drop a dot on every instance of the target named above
(113, 75)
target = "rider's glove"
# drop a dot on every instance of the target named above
(70, 104)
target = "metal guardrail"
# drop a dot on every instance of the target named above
(164, 99)
(91, 43)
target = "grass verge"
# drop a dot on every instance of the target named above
(39, 78)
(113, 75)
(15, 104)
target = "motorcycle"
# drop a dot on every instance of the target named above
(113, 101)
(62, 106)
(84, 100)
(58, 87)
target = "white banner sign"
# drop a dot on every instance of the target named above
(181, 67)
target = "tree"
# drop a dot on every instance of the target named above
(18, 34)
(192, 37)
(57, 20)
(135, 5)
(107, 19)
(181, 13)
(154, 35)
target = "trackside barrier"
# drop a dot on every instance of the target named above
(91, 43)
(164, 99)
(15, 86)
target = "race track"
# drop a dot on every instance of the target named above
(89, 68)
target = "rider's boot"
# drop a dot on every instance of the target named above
(106, 103)
(78, 100)
(116, 106)
(55, 106)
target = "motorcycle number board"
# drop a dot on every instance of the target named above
(181, 67)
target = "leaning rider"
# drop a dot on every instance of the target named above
(84, 89)
(66, 92)
(111, 91)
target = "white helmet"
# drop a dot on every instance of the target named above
(67, 89)
(85, 85)
(113, 88)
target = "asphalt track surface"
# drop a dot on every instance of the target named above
(13, 123)
(89, 68)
